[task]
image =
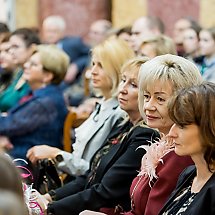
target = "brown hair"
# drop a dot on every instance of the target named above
(196, 105)
(11, 204)
(10, 176)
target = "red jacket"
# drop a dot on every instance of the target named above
(149, 200)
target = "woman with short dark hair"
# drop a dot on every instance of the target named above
(193, 132)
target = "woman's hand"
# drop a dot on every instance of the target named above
(5, 144)
(41, 152)
(42, 203)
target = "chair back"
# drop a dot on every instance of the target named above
(67, 136)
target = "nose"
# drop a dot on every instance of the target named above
(26, 65)
(150, 105)
(94, 70)
(123, 88)
(10, 51)
(173, 131)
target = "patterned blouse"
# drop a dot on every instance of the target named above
(181, 202)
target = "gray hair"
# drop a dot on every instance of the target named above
(57, 21)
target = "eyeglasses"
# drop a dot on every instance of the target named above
(136, 33)
(32, 64)
(13, 46)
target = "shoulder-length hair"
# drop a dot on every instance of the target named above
(196, 105)
(180, 72)
(112, 54)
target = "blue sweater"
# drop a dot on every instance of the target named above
(39, 120)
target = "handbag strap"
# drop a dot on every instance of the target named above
(24, 175)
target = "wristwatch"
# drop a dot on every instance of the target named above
(52, 194)
(58, 158)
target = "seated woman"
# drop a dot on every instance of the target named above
(107, 59)
(10, 177)
(192, 111)
(207, 49)
(11, 193)
(114, 165)
(6, 63)
(40, 119)
(155, 46)
(191, 45)
(22, 44)
(159, 79)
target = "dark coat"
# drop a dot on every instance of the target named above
(113, 177)
(204, 201)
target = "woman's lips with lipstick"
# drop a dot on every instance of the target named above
(150, 117)
(121, 100)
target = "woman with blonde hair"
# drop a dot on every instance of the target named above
(39, 118)
(155, 46)
(114, 165)
(107, 59)
(159, 79)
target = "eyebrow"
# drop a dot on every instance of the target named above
(132, 79)
(157, 93)
(135, 32)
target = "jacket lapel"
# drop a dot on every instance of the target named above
(115, 150)
(102, 119)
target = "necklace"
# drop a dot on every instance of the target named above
(197, 185)
(133, 191)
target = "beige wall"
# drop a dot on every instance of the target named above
(124, 12)
(26, 13)
(207, 15)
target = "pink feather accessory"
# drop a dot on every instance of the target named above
(154, 154)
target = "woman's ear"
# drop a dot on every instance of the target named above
(48, 77)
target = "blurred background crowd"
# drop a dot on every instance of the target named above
(61, 57)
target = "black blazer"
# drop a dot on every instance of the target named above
(203, 203)
(111, 184)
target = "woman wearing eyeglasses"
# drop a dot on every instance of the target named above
(22, 44)
(40, 117)
(115, 164)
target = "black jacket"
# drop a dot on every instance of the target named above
(204, 201)
(113, 177)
